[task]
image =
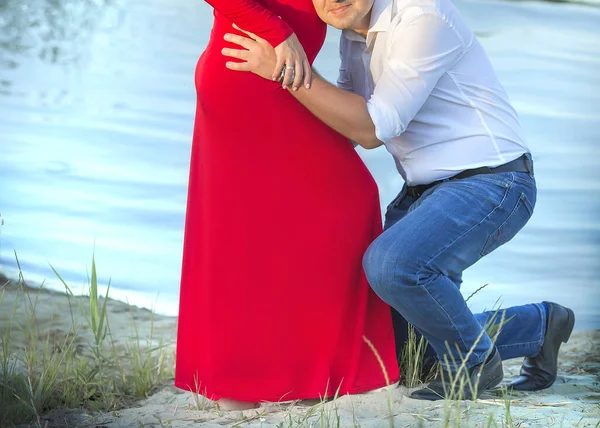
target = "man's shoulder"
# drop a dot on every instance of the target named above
(411, 8)
(407, 9)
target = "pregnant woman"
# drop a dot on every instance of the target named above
(274, 304)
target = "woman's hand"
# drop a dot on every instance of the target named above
(291, 55)
(267, 62)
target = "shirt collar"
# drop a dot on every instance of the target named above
(381, 17)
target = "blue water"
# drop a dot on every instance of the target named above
(96, 116)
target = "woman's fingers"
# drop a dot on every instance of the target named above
(298, 67)
(307, 74)
(278, 67)
(238, 66)
(289, 70)
(251, 35)
(239, 40)
(235, 53)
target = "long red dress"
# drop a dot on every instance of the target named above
(274, 303)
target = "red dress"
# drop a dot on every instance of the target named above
(274, 302)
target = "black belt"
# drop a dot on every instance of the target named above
(521, 164)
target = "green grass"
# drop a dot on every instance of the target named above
(411, 360)
(68, 373)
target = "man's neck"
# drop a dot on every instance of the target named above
(362, 27)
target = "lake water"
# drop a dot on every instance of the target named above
(96, 114)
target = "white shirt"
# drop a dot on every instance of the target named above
(432, 93)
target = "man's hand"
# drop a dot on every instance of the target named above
(268, 62)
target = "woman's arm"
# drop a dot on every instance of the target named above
(251, 15)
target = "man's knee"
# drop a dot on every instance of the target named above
(389, 266)
(371, 265)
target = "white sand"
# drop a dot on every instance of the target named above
(574, 400)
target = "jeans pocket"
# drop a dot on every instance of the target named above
(525, 178)
(518, 217)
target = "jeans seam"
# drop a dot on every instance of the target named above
(446, 313)
(488, 178)
(524, 182)
(527, 204)
(514, 345)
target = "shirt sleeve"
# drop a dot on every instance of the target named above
(422, 49)
(344, 80)
(255, 18)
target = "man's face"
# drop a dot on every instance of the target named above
(345, 14)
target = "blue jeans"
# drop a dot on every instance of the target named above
(416, 264)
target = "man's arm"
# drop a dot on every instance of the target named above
(343, 111)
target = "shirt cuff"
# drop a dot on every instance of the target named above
(386, 120)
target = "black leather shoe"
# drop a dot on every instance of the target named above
(480, 378)
(539, 372)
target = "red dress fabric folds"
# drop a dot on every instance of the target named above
(274, 302)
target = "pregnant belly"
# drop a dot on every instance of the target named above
(221, 90)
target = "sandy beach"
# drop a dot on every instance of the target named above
(574, 400)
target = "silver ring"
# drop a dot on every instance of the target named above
(283, 71)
